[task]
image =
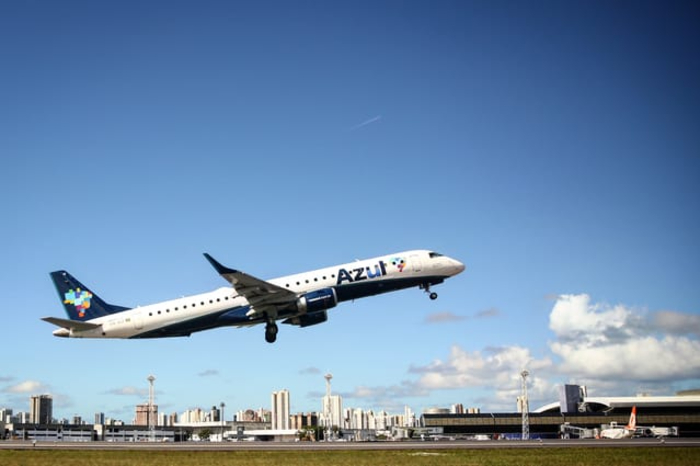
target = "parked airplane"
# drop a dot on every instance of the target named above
(615, 432)
(302, 299)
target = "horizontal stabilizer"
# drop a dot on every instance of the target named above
(70, 324)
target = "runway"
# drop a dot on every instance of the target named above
(349, 446)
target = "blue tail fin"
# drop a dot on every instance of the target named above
(78, 300)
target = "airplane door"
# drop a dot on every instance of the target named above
(416, 263)
(137, 320)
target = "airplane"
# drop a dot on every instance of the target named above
(615, 432)
(301, 299)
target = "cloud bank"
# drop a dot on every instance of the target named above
(616, 350)
(601, 342)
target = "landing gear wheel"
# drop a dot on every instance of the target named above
(271, 332)
(426, 287)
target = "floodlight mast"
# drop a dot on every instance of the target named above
(327, 408)
(151, 404)
(525, 406)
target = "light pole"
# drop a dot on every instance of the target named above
(525, 406)
(223, 420)
(149, 415)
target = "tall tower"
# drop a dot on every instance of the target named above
(332, 408)
(328, 378)
(327, 401)
(525, 406)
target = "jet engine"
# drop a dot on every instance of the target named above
(308, 320)
(315, 301)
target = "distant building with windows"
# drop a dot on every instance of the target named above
(332, 411)
(144, 415)
(280, 410)
(41, 409)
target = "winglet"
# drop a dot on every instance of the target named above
(223, 270)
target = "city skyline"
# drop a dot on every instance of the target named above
(551, 147)
(278, 415)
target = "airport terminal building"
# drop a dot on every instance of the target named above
(576, 409)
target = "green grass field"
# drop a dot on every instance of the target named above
(642, 456)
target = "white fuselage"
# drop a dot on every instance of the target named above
(350, 281)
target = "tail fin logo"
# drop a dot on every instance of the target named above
(80, 299)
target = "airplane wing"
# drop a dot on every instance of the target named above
(70, 324)
(263, 296)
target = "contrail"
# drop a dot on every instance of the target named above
(366, 122)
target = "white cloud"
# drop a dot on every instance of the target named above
(28, 386)
(575, 318)
(129, 391)
(602, 342)
(496, 369)
(486, 313)
(443, 317)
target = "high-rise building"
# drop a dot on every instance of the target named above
(215, 414)
(457, 408)
(99, 418)
(301, 420)
(41, 409)
(332, 410)
(6, 416)
(143, 416)
(280, 410)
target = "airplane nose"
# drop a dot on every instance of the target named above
(458, 267)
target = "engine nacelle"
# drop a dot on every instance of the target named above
(315, 301)
(308, 320)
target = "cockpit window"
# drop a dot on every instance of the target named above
(433, 255)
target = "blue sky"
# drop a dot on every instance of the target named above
(553, 147)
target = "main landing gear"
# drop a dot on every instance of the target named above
(426, 287)
(271, 332)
